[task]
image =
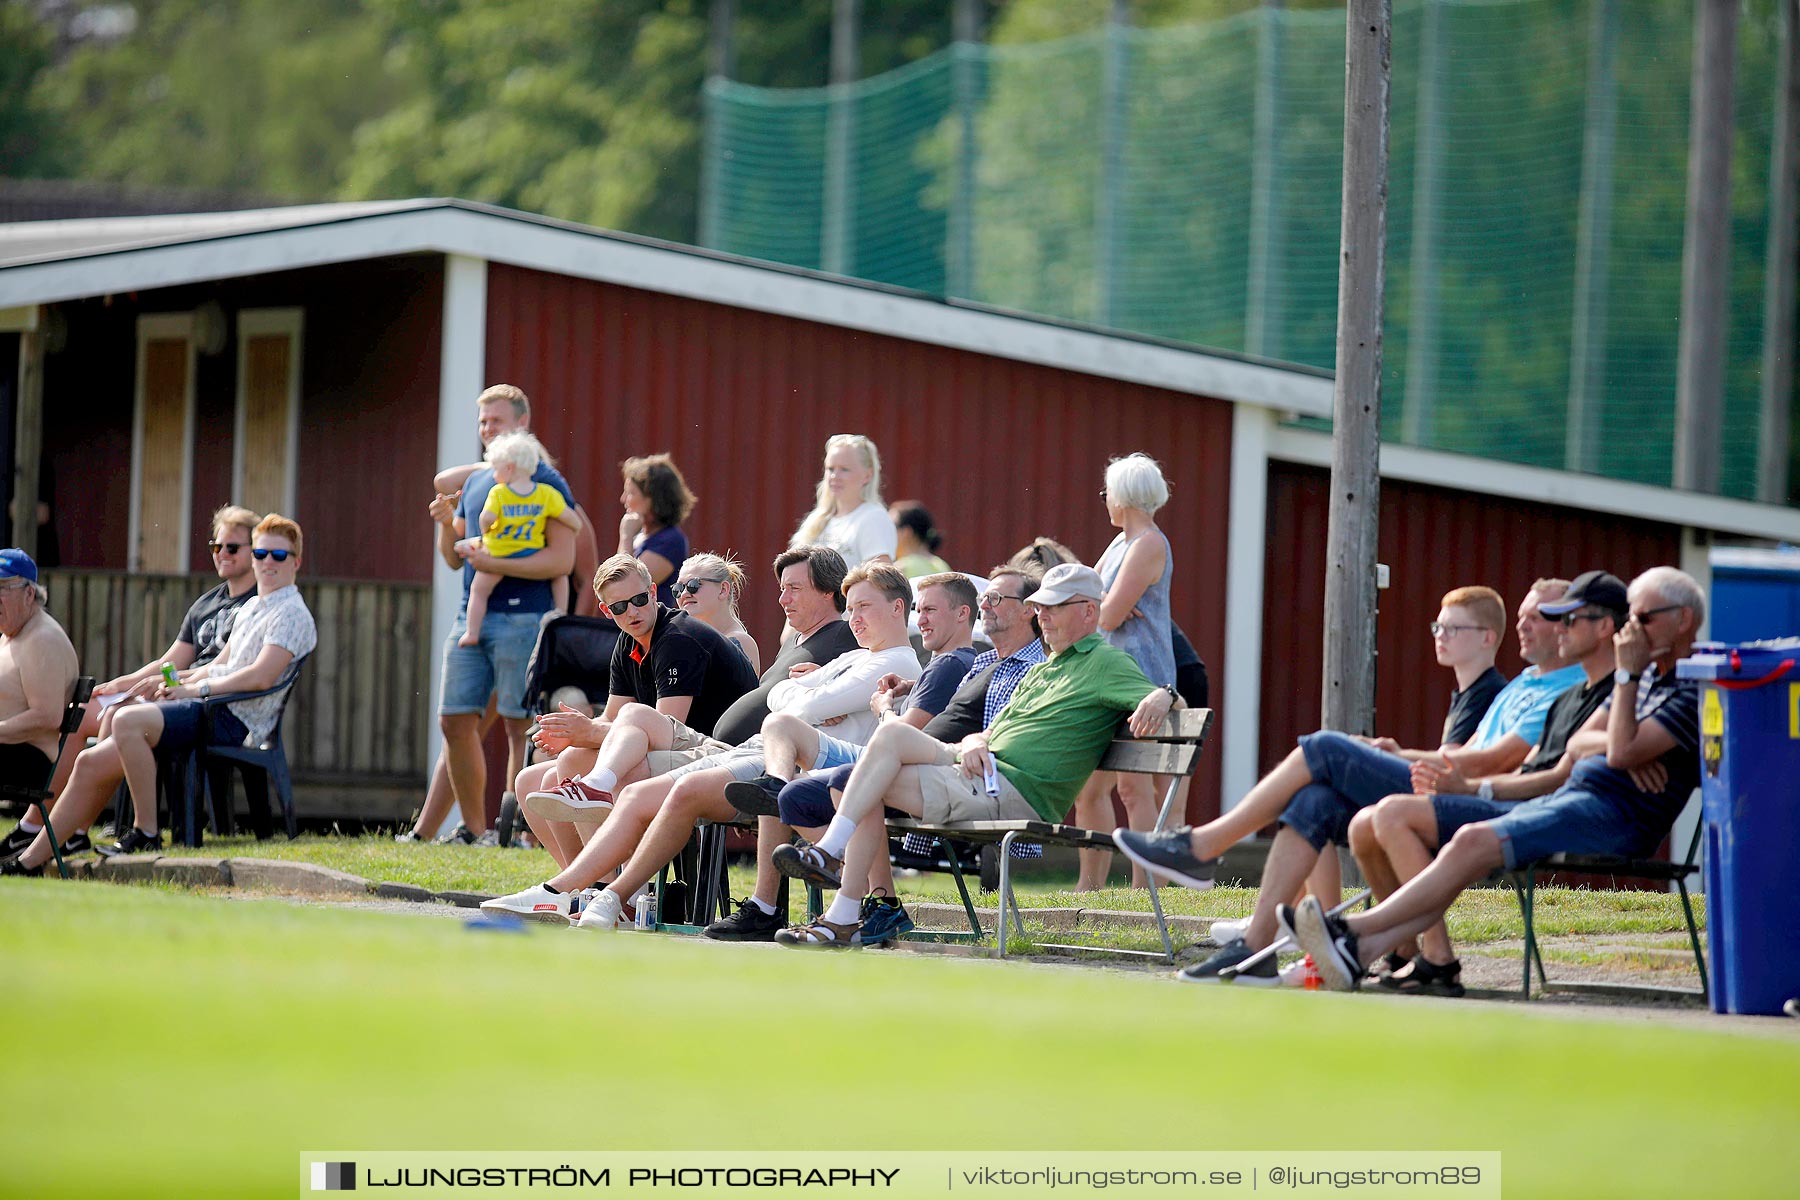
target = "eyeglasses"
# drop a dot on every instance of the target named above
(1041, 609)
(1439, 629)
(692, 587)
(227, 547)
(1644, 618)
(637, 601)
(1569, 618)
(277, 555)
(995, 599)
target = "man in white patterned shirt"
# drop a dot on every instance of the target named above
(271, 631)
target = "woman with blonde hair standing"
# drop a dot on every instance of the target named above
(1134, 616)
(849, 516)
(709, 588)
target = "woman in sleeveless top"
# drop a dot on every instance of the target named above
(1134, 616)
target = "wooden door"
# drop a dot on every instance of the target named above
(162, 448)
(268, 409)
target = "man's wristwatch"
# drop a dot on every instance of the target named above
(1621, 677)
(1173, 694)
(205, 688)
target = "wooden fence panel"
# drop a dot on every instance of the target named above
(361, 711)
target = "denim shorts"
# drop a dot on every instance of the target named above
(806, 802)
(835, 752)
(1348, 776)
(181, 726)
(1453, 812)
(495, 667)
(1573, 820)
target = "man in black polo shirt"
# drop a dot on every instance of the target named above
(680, 672)
(1397, 838)
(811, 583)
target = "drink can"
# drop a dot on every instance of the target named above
(168, 674)
(990, 775)
(646, 910)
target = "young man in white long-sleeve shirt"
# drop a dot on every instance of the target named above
(652, 819)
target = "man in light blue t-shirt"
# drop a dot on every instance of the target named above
(1331, 776)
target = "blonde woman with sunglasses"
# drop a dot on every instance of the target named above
(708, 588)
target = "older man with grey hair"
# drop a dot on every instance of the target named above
(1028, 765)
(1636, 762)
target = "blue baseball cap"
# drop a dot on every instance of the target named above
(16, 564)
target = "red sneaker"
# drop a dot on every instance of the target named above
(569, 801)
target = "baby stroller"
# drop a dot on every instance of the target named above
(571, 652)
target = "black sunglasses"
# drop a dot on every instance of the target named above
(1644, 618)
(227, 547)
(692, 587)
(637, 601)
(277, 555)
(1569, 618)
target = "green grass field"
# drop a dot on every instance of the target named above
(162, 1042)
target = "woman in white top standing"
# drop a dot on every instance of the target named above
(849, 516)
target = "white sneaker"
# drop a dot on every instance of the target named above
(604, 912)
(536, 903)
(1226, 932)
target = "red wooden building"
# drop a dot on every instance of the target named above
(324, 360)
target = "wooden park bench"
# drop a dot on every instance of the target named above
(1173, 750)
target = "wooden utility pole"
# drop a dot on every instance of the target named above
(721, 63)
(840, 184)
(1779, 269)
(1348, 700)
(1706, 249)
(1265, 302)
(1420, 397)
(28, 435)
(959, 257)
(1112, 163)
(1593, 237)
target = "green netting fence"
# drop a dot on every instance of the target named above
(1183, 182)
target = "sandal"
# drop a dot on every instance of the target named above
(1426, 978)
(1386, 967)
(823, 933)
(809, 864)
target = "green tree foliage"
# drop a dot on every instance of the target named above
(33, 137)
(258, 96)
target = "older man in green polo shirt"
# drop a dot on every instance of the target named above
(1029, 764)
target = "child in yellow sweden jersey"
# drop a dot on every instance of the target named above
(514, 521)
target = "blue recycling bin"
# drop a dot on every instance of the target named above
(1750, 789)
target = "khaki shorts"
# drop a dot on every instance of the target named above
(686, 745)
(952, 796)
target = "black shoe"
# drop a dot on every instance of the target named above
(1168, 856)
(13, 866)
(748, 924)
(135, 841)
(14, 843)
(78, 844)
(1231, 957)
(761, 797)
(460, 836)
(1426, 978)
(1332, 946)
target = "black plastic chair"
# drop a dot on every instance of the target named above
(202, 766)
(40, 797)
